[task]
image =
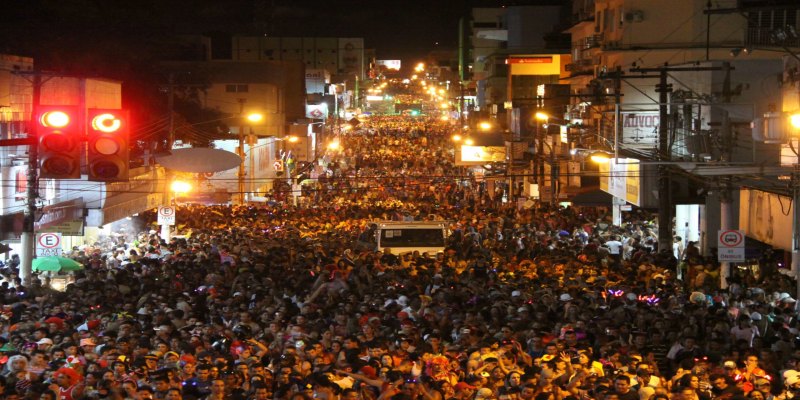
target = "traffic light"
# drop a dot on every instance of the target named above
(59, 144)
(108, 145)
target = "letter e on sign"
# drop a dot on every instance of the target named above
(48, 245)
(166, 215)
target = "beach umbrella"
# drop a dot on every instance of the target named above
(56, 264)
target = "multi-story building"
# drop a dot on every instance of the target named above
(721, 66)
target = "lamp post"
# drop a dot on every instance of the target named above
(538, 161)
(252, 118)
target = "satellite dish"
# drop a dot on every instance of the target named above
(200, 160)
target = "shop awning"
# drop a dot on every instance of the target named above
(592, 198)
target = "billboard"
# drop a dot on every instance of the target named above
(316, 80)
(478, 155)
(620, 178)
(389, 64)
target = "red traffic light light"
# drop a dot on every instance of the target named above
(108, 145)
(55, 119)
(59, 134)
(106, 122)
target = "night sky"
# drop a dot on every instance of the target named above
(405, 29)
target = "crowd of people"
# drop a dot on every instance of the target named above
(285, 301)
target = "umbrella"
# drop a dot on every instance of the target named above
(56, 264)
(200, 160)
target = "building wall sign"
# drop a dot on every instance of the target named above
(640, 128)
(762, 215)
(59, 213)
(529, 60)
(620, 179)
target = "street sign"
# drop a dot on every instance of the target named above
(48, 244)
(730, 245)
(67, 228)
(166, 215)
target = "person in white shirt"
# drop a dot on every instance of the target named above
(614, 247)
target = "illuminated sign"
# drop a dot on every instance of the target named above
(389, 64)
(529, 60)
(483, 154)
(620, 179)
(317, 111)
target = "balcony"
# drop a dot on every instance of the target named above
(593, 41)
(767, 37)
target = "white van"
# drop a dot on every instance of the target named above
(404, 237)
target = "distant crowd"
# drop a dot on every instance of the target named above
(277, 301)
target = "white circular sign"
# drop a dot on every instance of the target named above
(49, 240)
(731, 238)
(166, 211)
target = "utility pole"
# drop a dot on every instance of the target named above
(166, 231)
(665, 212)
(240, 151)
(28, 233)
(664, 194)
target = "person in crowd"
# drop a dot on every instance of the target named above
(288, 300)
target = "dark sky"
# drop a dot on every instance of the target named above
(406, 29)
(398, 29)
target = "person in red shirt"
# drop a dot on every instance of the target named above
(68, 384)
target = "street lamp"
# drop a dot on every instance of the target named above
(181, 187)
(794, 119)
(334, 145)
(252, 118)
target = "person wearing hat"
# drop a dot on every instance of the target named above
(464, 390)
(44, 344)
(151, 362)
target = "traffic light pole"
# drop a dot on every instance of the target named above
(28, 233)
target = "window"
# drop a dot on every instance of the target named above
(236, 88)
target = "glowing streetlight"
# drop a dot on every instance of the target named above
(794, 119)
(334, 145)
(255, 117)
(456, 138)
(485, 126)
(292, 139)
(541, 116)
(469, 142)
(420, 67)
(600, 157)
(445, 118)
(181, 187)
